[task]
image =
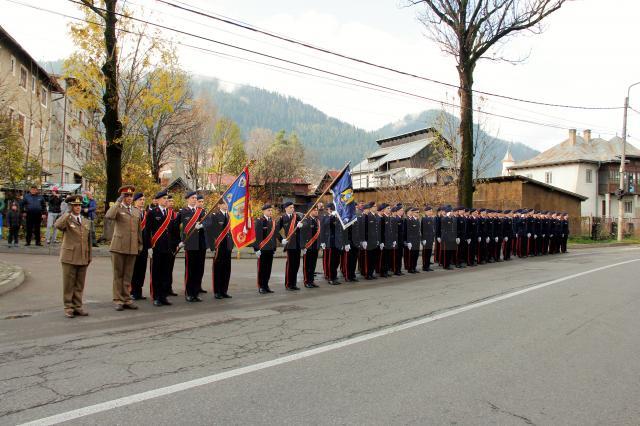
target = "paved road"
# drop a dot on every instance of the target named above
(549, 340)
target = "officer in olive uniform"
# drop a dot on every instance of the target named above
(428, 232)
(220, 242)
(265, 246)
(310, 235)
(75, 256)
(413, 237)
(194, 241)
(140, 265)
(290, 239)
(126, 244)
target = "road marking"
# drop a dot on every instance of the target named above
(179, 387)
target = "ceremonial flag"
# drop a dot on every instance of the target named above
(342, 191)
(240, 220)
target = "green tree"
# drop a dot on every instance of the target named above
(12, 156)
(228, 153)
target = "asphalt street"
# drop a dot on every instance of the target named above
(550, 340)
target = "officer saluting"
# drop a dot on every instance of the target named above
(159, 231)
(125, 245)
(265, 246)
(75, 256)
(221, 244)
(140, 265)
(310, 238)
(195, 246)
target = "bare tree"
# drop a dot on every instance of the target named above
(468, 30)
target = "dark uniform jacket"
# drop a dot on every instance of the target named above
(389, 231)
(507, 228)
(412, 232)
(461, 227)
(263, 226)
(216, 223)
(372, 230)
(284, 225)
(167, 242)
(449, 232)
(428, 230)
(309, 231)
(401, 236)
(197, 239)
(355, 232)
(472, 229)
(331, 232)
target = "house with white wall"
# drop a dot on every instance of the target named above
(587, 166)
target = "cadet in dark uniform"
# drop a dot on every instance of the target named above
(448, 238)
(221, 244)
(507, 234)
(428, 236)
(471, 237)
(310, 237)
(265, 246)
(413, 237)
(287, 225)
(387, 240)
(354, 240)
(175, 239)
(397, 221)
(194, 241)
(332, 241)
(565, 232)
(371, 241)
(140, 265)
(159, 233)
(461, 236)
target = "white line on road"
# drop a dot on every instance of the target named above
(179, 387)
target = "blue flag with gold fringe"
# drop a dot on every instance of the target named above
(342, 191)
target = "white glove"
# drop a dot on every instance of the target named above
(479, 239)
(347, 247)
(496, 239)
(364, 245)
(180, 245)
(394, 244)
(258, 253)
(528, 235)
(304, 251)
(551, 236)
(409, 245)
(506, 238)
(323, 246)
(439, 239)
(284, 241)
(424, 242)
(334, 213)
(468, 240)
(543, 235)
(381, 246)
(457, 240)
(535, 237)
(299, 225)
(199, 225)
(562, 235)
(488, 239)
(150, 251)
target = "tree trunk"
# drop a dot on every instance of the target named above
(112, 124)
(465, 176)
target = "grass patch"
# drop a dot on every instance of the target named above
(588, 240)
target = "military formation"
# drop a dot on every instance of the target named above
(383, 241)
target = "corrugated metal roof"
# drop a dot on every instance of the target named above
(596, 150)
(391, 153)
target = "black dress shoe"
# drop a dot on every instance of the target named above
(166, 302)
(138, 297)
(173, 293)
(189, 299)
(218, 296)
(355, 280)
(119, 308)
(269, 290)
(226, 296)
(157, 303)
(202, 291)
(262, 291)
(293, 288)
(309, 286)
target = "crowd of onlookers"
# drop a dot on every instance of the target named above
(33, 210)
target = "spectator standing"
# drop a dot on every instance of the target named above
(13, 223)
(89, 207)
(54, 212)
(33, 209)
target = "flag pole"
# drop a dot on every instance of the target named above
(338, 176)
(186, 237)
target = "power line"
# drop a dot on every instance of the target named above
(249, 27)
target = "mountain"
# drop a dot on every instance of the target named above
(329, 141)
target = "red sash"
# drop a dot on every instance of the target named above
(223, 234)
(315, 237)
(268, 238)
(143, 222)
(292, 226)
(192, 221)
(162, 228)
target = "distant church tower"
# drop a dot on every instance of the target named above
(507, 162)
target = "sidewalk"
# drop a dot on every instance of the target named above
(11, 276)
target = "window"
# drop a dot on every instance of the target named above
(13, 66)
(548, 177)
(589, 177)
(628, 206)
(43, 96)
(23, 77)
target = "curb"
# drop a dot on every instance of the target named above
(596, 245)
(14, 279)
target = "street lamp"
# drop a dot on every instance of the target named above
(622, 163)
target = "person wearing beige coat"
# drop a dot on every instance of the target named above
(75, 256)
(126, 243)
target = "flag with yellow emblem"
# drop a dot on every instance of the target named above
(240, 220)
(342, 191)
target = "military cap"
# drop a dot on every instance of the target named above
(74, 200)
(427, 208)
(472, 210)
(287, 204)
(507, 211)
(383, 206)
(200, 197)
(331, 206)
(126, 190)
(369, 205)
(395, 208)
(414, 209)
(137, 196)
(190, 194)
(160, 194)
(266, 206)
(447, 209)
(398, 205)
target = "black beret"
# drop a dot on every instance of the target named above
(200, 197)
(369, 205)
(331, 206)
(287, 204)
(266, 206)
(190, 194)
(137, 196)
(383, 206)
(414, 209)
(161, 194)
(427, 208)
(395, 208)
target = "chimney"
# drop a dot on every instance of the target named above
(586, 135)
(572, 137)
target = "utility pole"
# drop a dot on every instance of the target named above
(623, 160)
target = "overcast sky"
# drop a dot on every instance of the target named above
(588, 55)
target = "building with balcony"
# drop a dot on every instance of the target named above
(590, 167)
